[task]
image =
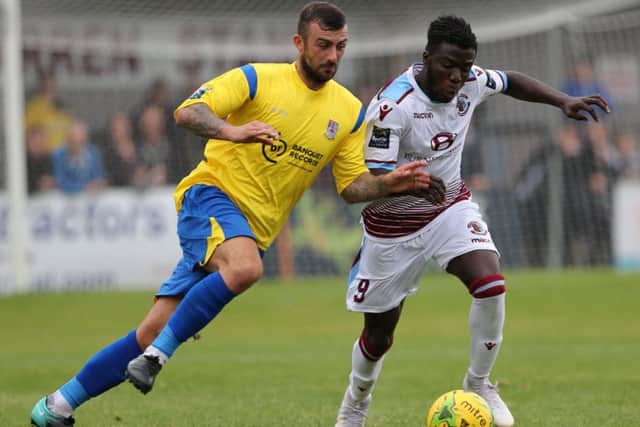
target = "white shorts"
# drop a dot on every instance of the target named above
(388, 270)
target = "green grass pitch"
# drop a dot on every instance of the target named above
(280, 354)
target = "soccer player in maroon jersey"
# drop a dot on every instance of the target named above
(424, 114)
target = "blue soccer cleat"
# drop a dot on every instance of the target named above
(41, 416)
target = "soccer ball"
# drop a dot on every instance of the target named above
(459, 408)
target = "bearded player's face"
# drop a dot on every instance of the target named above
(321, 52)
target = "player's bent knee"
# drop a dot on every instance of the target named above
(488, 286)
(375, 343)
(242, 275)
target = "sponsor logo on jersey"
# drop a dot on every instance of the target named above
(332, 129)
(480, 240)
(477, 228)
(304, 155)
(380, 137)
(274, 151)
(491, 84)
(298, 155)
(463, 104)
(413, 156)
(384, 110)
(443, 140)
(426, 115)
(200, 92)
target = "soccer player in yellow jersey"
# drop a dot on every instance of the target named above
(271, 128)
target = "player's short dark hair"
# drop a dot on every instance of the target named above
(327, 15)
(451, 29)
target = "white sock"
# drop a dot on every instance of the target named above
(364, 373)
(486, 320)
(57, 404)
(152, 351)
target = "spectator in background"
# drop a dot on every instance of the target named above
(43, 110)
(575, 194)
(627, 160)
(186, 147)
(39, 166)
(531, 190)
(158, 95)
(602, 171)
(154, 148)
(121, 159)
(77, 165)
(583, 82)
(473, 166)
(530, 193)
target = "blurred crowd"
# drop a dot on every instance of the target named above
(141, 148)
(583, 161)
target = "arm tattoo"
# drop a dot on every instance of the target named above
(365, 188)
(199, 119)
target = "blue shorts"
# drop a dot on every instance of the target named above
(206, 219)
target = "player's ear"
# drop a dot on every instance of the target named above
(425, 55)
(298, 42)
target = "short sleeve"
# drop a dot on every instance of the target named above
(227, 92)
(490, 82)
(348, 163)
(385, 127)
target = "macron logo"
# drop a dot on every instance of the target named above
(489, 345)
(384, 110)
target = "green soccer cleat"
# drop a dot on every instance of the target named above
(41, 416)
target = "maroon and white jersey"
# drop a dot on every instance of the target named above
(404, 125)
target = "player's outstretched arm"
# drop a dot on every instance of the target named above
(529, 89)
(406, 178)
(199, 119)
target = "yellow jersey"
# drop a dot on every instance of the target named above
(55, 122)
(315, 126)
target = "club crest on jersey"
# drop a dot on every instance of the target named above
(332, 129)
(200, 92)
(384, 110)
(477, 228)
(463, 104)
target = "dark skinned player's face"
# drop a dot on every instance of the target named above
(446, 68)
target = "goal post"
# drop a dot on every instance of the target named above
(15, 160)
